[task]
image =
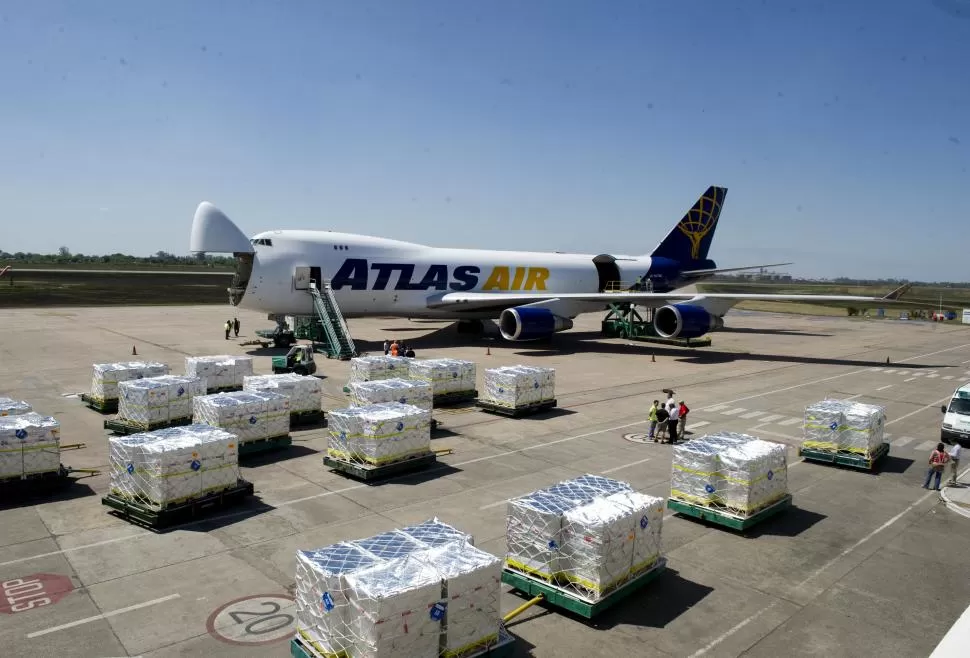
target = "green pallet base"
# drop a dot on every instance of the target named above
(562, 598)
(448, 399)
(515, 412)
(264, 445)
(101, 406)
(305, 418)
(704, 341)
(124, 427)
(368, 473)
(501, 649)
(727, 519)
(845, 458)
(156, 519)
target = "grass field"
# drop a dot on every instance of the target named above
(25, 288)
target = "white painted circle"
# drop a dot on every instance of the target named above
(638, 437)
(254, 620)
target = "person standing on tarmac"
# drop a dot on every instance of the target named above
(954, 454)
(652, 417)
(673, 415)
(228, 328)
(235, 326)
(661, 423)
(682, 418)
(938, 460)
(387, 346)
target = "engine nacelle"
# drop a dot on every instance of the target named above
(531, 323)
(684, 321)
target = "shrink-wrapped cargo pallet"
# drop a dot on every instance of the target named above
(372, 368)
(391, 595)
(519, 386)
(591, 534)
(221, 371)
(173, 465)
(404, 391)
(379, 434)
(303, 391)
(446, 376)
(844, 426)
(107, 376)
(734, 471)
(11, 407)
(29, 445)
(250, 415)
(156, 401)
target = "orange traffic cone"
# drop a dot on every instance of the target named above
(488, 350)
(653, 358)
(134, 352)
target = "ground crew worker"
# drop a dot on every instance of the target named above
(672, 417)
(661, 423)
(954, 454)
(235, 326)
(228, 328)
(639, 284)
(387, 346)
(394, 348)
(682, 418)
(652, 417)
(938, 460)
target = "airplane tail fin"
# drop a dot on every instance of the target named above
(690, 240)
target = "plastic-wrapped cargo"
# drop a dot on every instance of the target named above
(322, 608)
(11, 407)
(519, 386)
(158, 400)
(434, 532)
(173, 465)
(647, 513)
(862, 429)
(597, 546)
(29, 444)
(220, 371)
(389, 545)
(695, 476)
(534, 533)
(398, 608)
(303, 391)
(754, 475)
(107, 376)
(250, 415)
(372, 368)
(379, 434)
(446, 376)
(472, 589)
(823, 426)
(405, 391)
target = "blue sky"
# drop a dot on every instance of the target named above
(841, 129)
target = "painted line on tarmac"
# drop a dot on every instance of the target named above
(913, 413)
(826, 379)
(75, 548)
(885, 387)
(103, 615)
(862, 541)
(620, 468)
(734, 629)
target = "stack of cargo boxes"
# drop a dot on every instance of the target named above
(447, 377)
(302, 391)
(404, 391)
(590, 534)
(29, 441)
(515, 387)
(249, 415)
(171, 466)
(379, 434)
(844, 426)
(422, 591)
(372, 368)
(107, 377)
(737, 472)
(221, 372)
(158, 401)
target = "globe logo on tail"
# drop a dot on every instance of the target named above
(701, 220)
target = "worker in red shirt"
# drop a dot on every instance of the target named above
(683, 419)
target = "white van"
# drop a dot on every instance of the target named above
(956, 418)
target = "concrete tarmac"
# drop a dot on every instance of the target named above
(862, 565)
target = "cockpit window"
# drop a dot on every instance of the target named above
(266, 242)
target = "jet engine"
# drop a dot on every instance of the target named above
(685, 321)
(531, 323)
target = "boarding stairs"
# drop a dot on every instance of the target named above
(339, 344)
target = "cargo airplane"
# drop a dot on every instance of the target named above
(531, 294)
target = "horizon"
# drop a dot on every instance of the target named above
(838, 131)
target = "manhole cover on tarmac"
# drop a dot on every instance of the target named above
(638, 437)
(254, 620)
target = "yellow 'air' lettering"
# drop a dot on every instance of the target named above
(537, 278)
(498, 279)
(519, 275)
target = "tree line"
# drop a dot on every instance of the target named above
(64, 256)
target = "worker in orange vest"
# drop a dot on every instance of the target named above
(394, 348)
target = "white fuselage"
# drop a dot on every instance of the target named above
(376, 276)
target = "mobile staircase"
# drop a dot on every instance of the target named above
(338, 343)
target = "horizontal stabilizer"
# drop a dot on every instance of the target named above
(719, 270)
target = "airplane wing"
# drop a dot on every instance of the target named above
(477, 301)
(720, 270)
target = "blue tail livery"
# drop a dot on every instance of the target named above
(690, 240)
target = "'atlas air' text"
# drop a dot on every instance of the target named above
(355, 274)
